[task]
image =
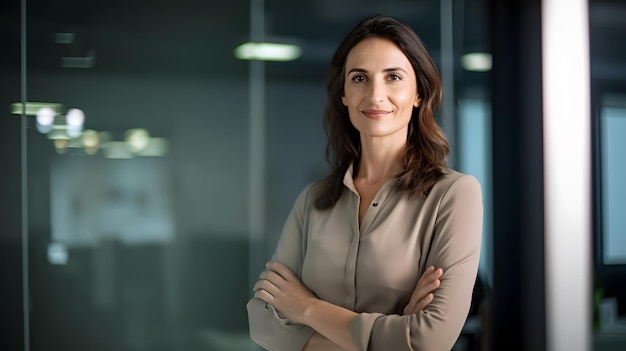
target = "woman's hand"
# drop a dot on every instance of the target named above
(423, 293)
(281, 288)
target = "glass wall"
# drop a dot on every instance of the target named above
(607, 30)
(159, 168)
(138, 179)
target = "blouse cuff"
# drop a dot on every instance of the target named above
(272, 331)
(361, 329)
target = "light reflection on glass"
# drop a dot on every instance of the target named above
(57, 254)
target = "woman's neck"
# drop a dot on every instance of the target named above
(380, 160)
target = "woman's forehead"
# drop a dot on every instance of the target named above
(377, 53)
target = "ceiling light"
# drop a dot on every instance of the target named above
(137, 139)
(476, 61)
(45, 119)
(90, 138)
(60, 145)
(267, 51)
(33, 107)
(45, 116)
(75, 117)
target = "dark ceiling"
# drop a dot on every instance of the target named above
(192, 37)
(198, 37)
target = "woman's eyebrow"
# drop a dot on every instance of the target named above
(390, 69)
(357, 69)
(394, 69)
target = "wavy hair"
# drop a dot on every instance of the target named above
(427, 146)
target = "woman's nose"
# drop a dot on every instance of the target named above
(377, 91)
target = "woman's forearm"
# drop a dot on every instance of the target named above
(331, 321)
(319, 342)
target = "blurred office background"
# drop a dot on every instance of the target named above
(147, 179)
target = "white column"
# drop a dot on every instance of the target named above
(567, 173)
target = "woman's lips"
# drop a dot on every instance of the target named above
(376, 114)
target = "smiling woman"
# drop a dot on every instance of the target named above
(380, 91)
(383, 253)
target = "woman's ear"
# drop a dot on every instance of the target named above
(343, 100)
(417, 101)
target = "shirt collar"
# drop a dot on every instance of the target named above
(348, 178)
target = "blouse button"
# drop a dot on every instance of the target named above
(375, 204)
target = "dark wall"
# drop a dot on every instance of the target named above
(11, 320)
(518, 251)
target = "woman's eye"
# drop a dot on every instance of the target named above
(358, 79)
(394, 77)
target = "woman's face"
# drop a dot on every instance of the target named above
(380, 89)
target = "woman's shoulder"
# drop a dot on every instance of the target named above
(453, 180)
(306, 196)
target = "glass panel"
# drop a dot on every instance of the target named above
(145, 210)
(138, 207)
(607, 32)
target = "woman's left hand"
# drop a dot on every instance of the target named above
(281, 288)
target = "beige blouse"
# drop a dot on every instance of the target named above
(373, 269)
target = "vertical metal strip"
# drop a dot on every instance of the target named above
(24, 186)
(447, 75)
(567, 173)
(257, 143)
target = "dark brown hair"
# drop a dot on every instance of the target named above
(427, 146)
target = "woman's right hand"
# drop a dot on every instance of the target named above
(423, 293)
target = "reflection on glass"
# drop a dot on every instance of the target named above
(95, 199)
(57, 254)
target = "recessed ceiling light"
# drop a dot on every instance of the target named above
(75, 117)
(476, 61)
(45, 116)
(267, 51)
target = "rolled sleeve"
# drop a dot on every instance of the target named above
(273, 332)
(267, 328)
(361, 329)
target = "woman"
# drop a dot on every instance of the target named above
(354, 268)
